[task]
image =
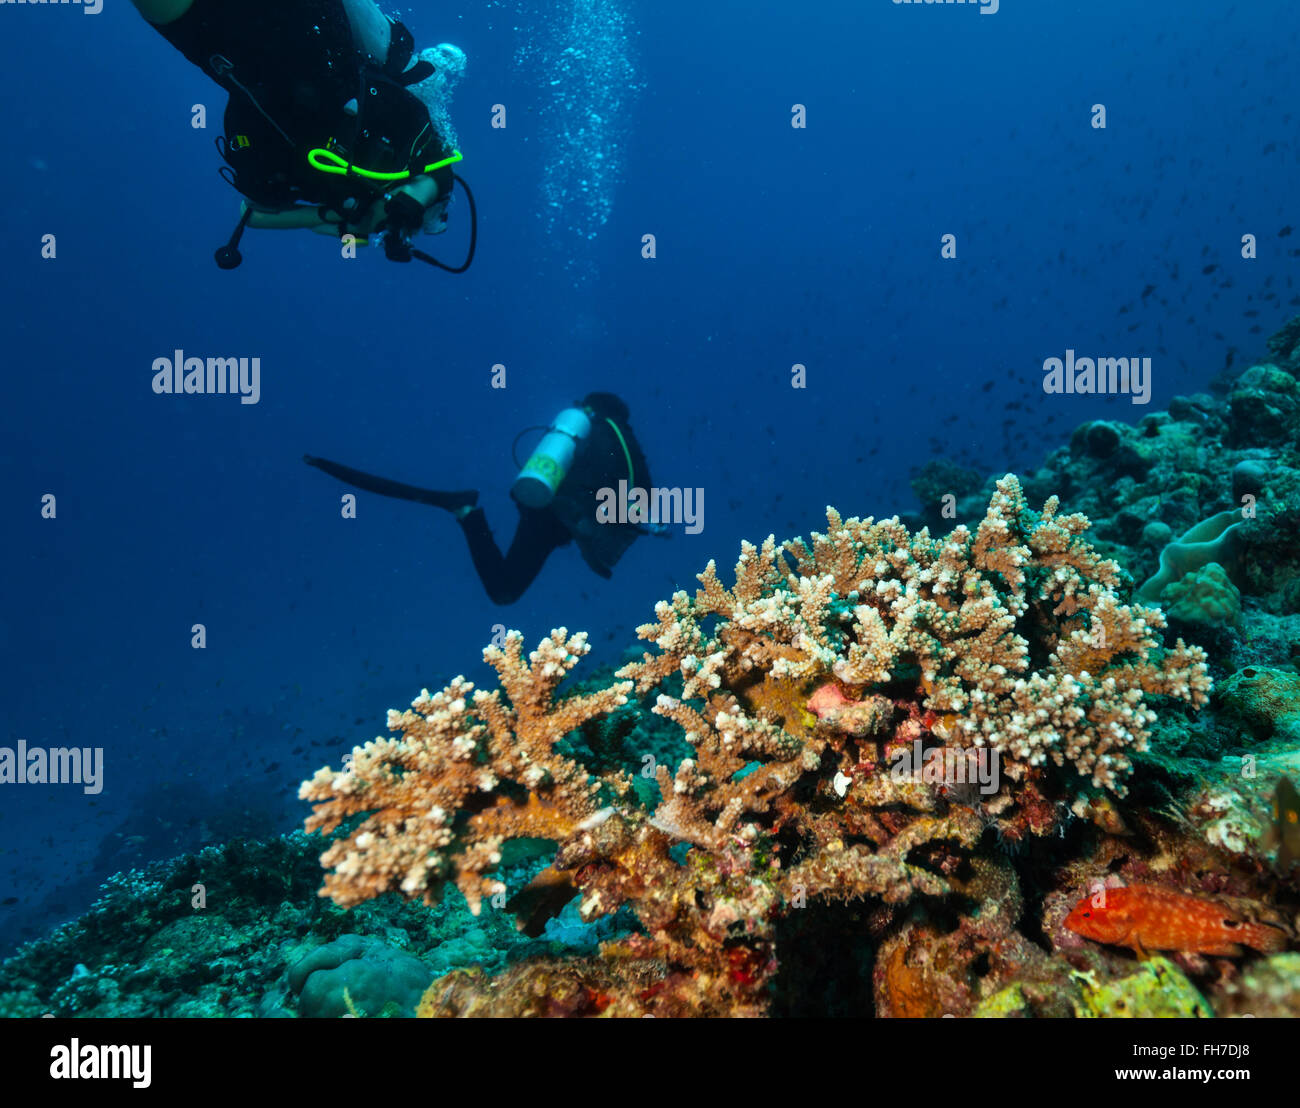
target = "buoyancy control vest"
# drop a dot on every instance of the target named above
(298, 82)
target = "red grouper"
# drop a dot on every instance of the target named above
(1148, 917)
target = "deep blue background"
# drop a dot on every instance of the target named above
(775, 246)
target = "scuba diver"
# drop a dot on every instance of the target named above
(586, 449)
(334, 123)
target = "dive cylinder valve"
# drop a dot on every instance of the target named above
(546, 467)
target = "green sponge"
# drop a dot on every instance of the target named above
(1157, 989)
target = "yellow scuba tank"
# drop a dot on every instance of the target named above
(546, 467)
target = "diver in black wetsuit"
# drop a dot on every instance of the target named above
(329, 124)
(586, 449)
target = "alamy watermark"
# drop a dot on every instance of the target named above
(987, 7)
(949, 766)
(1104, 376)
(655, 506)
(78, 1061)
(88, 7)
(182, 376)
(56, 765)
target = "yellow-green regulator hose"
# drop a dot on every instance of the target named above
(326, 161)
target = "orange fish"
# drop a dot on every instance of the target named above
(1149, 917)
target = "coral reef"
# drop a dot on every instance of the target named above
(874, 772)
(814, 694)
(1266, 990)
(150, 946)
(1185, 470)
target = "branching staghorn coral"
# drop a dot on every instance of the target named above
(971, 613)
(799, 688)
(440, 796)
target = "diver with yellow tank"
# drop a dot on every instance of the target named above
(585, 449)
(334, 123)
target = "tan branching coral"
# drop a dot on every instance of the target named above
(440, 797)
(808, 692)
(960, 612)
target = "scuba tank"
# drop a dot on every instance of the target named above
(546, 467)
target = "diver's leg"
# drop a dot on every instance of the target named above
(451, 501)
(162, 11)
(507, 579)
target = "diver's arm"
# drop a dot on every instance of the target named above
(160, 12)
(292, 219)
(298, 219)
(423, 189)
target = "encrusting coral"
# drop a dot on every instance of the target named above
(811, 691)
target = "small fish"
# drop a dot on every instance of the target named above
(541, 900)
(1150, 917)
(1285, 831)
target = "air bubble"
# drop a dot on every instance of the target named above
(581, 49)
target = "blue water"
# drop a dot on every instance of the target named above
(776, 246)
